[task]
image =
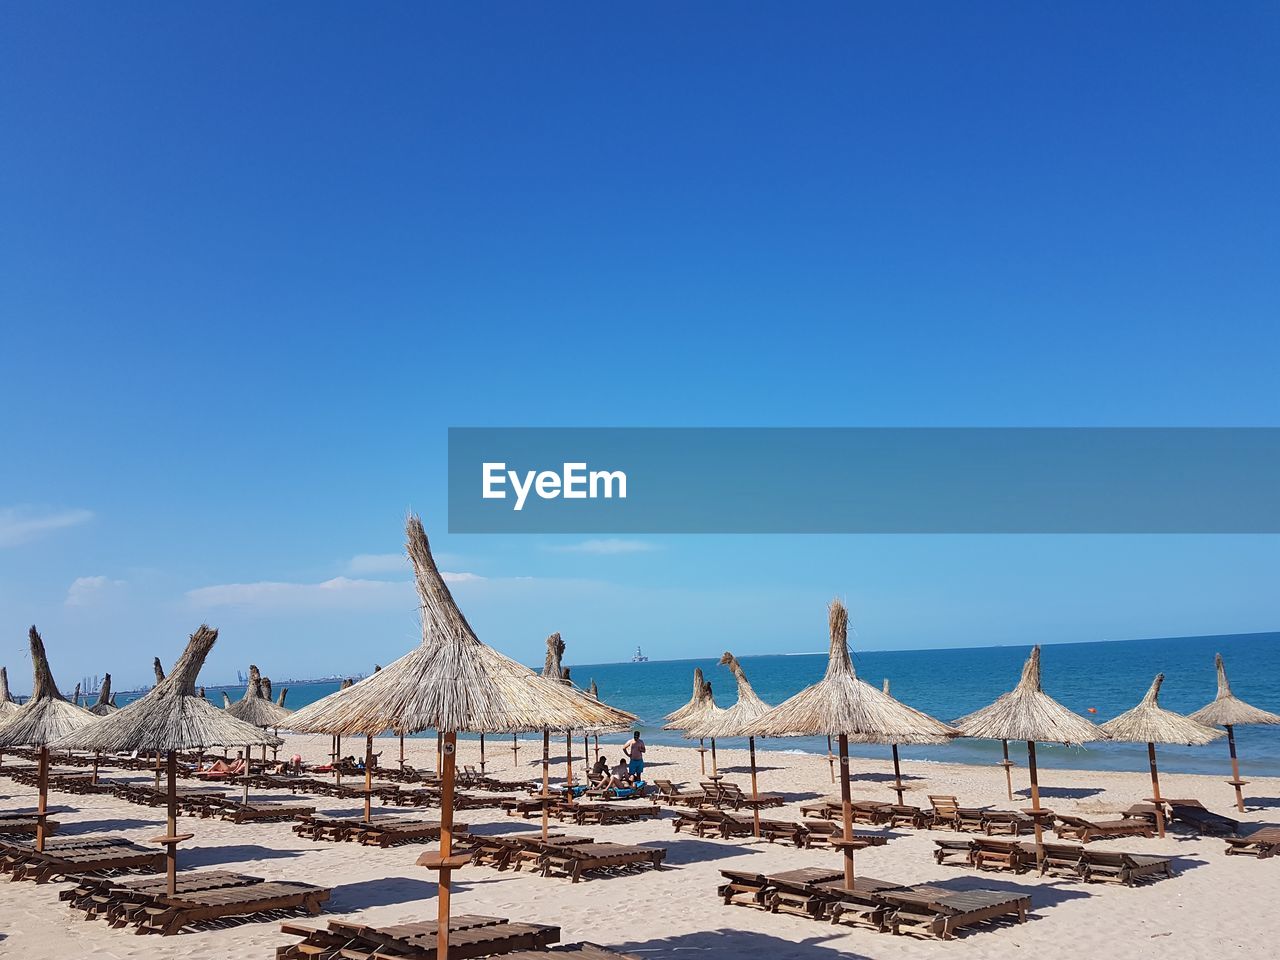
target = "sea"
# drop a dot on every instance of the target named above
(1098, 680)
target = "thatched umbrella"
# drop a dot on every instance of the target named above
(701, 702)
(1028, 713)
(1228, 711)
(731, 720)
(40, 721)
(171, 718)
(7, 704)
(842, 704)
(104, 705)
(1151, 723)
(256, 707)
(451, 682)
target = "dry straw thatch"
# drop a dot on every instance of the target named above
(1149, 722)
(730, 721)
(451, 681)
(7, 704)
(284, 692)
(698, 702)
(844, 705)
(1228, 710)
(159, 670)
(171, 716)
(104, 705)
(254, 707)
(46, 716)
(551, 666)
(1028, 713)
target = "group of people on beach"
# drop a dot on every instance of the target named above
(627, 773)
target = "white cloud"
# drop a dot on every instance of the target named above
(19, 525)
(605, 547)
(365, 563)
(87, 590)
(460, 577)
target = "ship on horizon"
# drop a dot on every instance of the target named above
(639, 657)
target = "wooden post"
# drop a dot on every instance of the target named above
(1155, 788)
(246, 780)
(897, 774)
(755, 793)
(595, 737)
(1008, 768)
(715, 769)
(42, 804)
(94, 781)
(702, 755)
(515, 752)
(846, 810)
(546, 780)
(402, 751)
(831, 760)
(1035, 800)
(1235, 768)
(171, 823)
(568, 757)
(368, 779)
(482, 771)
(439, 753)
(449, 748)
(337, 759)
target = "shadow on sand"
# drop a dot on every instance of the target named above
(728, 942)
(1062, 793)
(383, 892)
(235, 853)
(105, 826)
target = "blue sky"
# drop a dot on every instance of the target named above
(254, 262)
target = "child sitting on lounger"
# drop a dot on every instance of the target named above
(600, 772)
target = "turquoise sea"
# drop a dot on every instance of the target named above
(1109, 677)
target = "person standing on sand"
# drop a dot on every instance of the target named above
(634, 751)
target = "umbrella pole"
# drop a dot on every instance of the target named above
(568, 756)
(586, 756)
(831, 760)
(897, 775)
(702, 755)
(515, 752)
(402, 751)
(337, 760)
(1008, 768)
(1235, 768)
(482, 771)
(755, 793)
(596, 741)
(94, 781)
(1155, 788)
(171, 823)
(439, 753)
(546, 779)
(846, 811)
(368, 779)
(715, 769)
(449, 767)
(42, 804)
(1035, 800)
(246, 782)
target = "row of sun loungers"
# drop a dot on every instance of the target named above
(713, 793)
(379, 831)
(1060, 859)
(820, 893)
(200, 896)
(560, 855)
(75, 856)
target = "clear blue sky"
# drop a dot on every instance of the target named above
(255, 260)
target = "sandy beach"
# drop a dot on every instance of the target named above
(1217, 905)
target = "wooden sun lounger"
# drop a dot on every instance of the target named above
(469, 937)
(785, 831)
(384, 832)
(946, 811)
(1011, 822)
(1062, 860)
(606, 813)
(1126, 868)
(263, 812)
(169, 914)
(1263, 843)
(575, 861)
(117, 856)
(827, 833)
(1194, 815)
(1078, 828)
(732, 795)
(667, 792)
(527, 807)
(796, 891)
(905, 815)
(743, 887)
(712, 821)
(825, 809)
(116, 899)
(864, 903)
(992, 854)
(26, 825)
(940, 912)
(954, 852)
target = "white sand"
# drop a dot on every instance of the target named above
(1218, 906)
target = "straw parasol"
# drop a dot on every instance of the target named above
(1028, 713)
(104, 705)
(702, 701)
(451, 682)
(256, 707)
(40, 721)
(171, 718)
(731, 720)
(842, 704)
(1229, 711)
(1151, 723)
(7, 704)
